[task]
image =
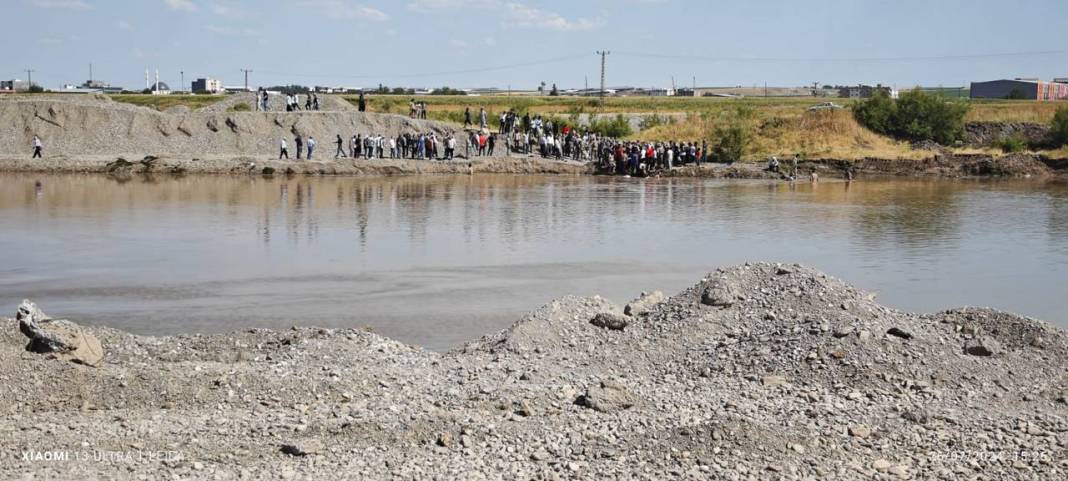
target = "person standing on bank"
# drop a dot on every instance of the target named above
(482, 117)
(37, 147)
(467, 117)
(311, 146)
(362, 103)
(300, 145)
(284, 152)
(340, 154)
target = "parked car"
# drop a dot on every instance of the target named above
(825, 106)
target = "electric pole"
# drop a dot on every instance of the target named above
(247, 71)
(29, 77)
(603, 54)
(90, 72)
(181, 84)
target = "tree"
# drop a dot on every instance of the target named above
(915, 116)
(732, 143)
(876, 113)
(36, 89)
(1058, 130)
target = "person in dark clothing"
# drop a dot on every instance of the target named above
(362, 103)
(340, 147)
(467, 117)
(490, 143)
(300, 145)
(315, 102)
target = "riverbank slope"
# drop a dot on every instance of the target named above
(762, 370)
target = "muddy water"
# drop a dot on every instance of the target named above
(440, 260)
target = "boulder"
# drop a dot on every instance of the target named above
(719, 294)
(898, 332)
(608, 397)
(644, 303)
(64, 339)
(981, 346)
(610, 321)
(303, 448)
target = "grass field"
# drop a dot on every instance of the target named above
(164, 102)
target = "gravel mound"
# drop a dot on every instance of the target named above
(761, 371)
(84, 125)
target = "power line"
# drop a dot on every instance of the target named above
(846, 59)
(430, 74)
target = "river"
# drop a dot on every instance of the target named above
(439, 260)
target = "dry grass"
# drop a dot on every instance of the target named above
(1061, 153)
(1013, 111)
(164, 102)
(823, 134)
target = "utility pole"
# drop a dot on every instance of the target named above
(603, 54)
(247, 71)
(181, 84)
(29, 77)
(90, 72)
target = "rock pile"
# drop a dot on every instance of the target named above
(798, 376)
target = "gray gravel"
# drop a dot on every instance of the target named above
(797, 378)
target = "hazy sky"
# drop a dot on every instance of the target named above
(483, 43)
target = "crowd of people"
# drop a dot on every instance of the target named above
(425, 146)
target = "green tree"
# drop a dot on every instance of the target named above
(876, 113)
(733, 140)
(1058, 129)
(915, 116)
(617, 127)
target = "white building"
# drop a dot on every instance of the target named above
(208, 85)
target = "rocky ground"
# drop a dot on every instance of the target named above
(761, 371)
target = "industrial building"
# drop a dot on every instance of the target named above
(1020, 88)
(207, 85)
(14, 85)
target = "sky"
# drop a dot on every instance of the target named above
(519, 43)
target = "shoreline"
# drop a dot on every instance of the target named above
(956, 166)
(758, 369)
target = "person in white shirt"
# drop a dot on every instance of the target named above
(311, 146)
(283, 152)
(37, 147)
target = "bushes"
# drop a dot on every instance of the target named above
(915, 116)
(1058, 129)
(617, 127)
(1012, 144)
(732, 143)
(240, 107)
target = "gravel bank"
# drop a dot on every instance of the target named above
(760, 371)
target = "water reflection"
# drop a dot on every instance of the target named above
(441, 259)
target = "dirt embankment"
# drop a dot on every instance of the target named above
(92, 126)
(761, 371)
(92, 134)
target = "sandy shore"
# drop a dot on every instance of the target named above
(761, 371)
